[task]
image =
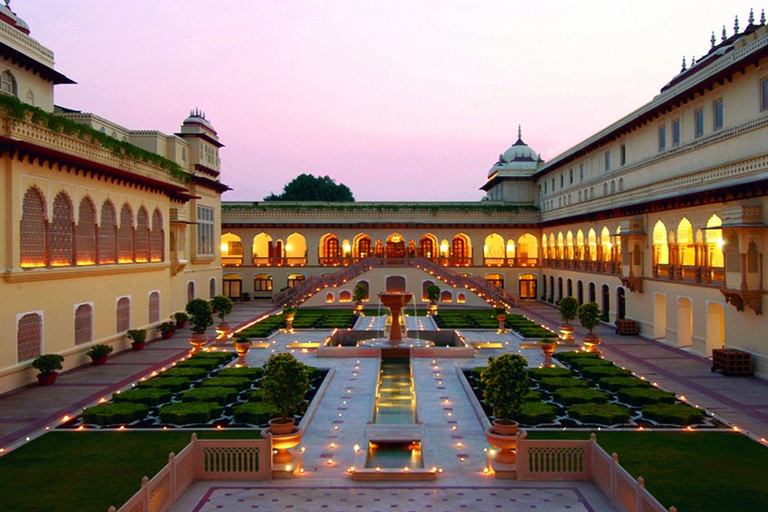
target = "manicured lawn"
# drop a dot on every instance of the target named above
(89, 471)
(699, 471)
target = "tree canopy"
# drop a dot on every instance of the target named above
(306, 187)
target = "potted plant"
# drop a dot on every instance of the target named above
(506, 383)
(433, 295)
(245, 297)
(137, 337)
(166, 330)
(589, 318)
(568, 307)
(359, 294)
(48, 366)
(501, 316)
(289, 313)
(201, 316)
(548, 346)
(242, 345)
(222, 305)
(284, 385)
(99, 354)
(181, 319)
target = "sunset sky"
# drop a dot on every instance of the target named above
(399, 100)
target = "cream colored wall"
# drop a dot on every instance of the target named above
(27, 81)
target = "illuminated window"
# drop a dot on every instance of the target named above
(205, 231)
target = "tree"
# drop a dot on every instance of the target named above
(506, 383)
(568, 307)
(589, 315)
(285, 383)
(306, 187)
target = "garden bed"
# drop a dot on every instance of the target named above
(593, 392)
(201, 394)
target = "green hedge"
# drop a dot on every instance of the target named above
(245, 372)
(205, 363)
(617, 383)
(534, 413)
(238, 383)
(645, 396)
(533, 396)
(553, 383)
(542, 373)
(148, 396)
(256, 395)
(188, 373)
(570, 396)
(114, 413)
(187, 413)
(222, 356)
(673, 414)
(221, 396)
(255, 413)
(566, 357)
(601, 414)
(580, 363)
(172, 383)
(598, 372)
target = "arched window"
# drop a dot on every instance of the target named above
(8, 84)
(85, 233)
(108, 234)
(446, 296)
(460, 251)
(32, 229)
(428, 247)
(345, 296)
(29, 337)
(395, 284)
(190, 290)
(330, 251)
(125, 235)
(212, 288)
(660, 245)
(61, 234)
(426, 284)
(296, 250)
(157, 238)
(142, 236)
(83, 324)
(367, 287)
(31, 98)
(621, 184)
(362, 247)
(123, 314)
(154, 307)
(494, 251)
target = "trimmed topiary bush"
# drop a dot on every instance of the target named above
(580, 363)
(535, 413)
(205, 363)
(673, 414)
(597, 372)
(237, 383)
(221, 396)
(616, 383)
(645, 396)
(148, 396)
(186, 373)
(172, 383)
(570, 396)
(255, 413)
(256, 395)
(244, 372)
(506, 383)
(477, 372)
(542, 373)
(187, 413)
(566, 357)
(601, 414)
(219, 356)
(533, 396)
(114, 413)
(553, 383)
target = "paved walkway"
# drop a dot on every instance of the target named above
(27, 411)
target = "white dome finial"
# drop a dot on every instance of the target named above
(519, 132)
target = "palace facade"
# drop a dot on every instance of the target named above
(104, 229)
(659, 217)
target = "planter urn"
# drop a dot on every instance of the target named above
(242, 348)
(548, 349)
(46, 379)
(138, 345)
(167, 335)
(566, 333)
(224, 328)
(503, 437)
(502, 319)
(591, 342)
(197, 340)
(289, 321)
(99, 360)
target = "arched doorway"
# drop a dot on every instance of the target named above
(552, 288)
(606, 301)
(715, 327)
(580, 292)
(395, 247)
(527, 287)
(684, 322)
(559, 288)
(570, 287)
(659, 316)
(621, 301)
(592, 295)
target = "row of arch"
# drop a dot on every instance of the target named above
(585, 194)
(590, 247)
(61, 242)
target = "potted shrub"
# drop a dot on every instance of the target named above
(359, 294)
(245, 297)
(137, 337)
(568, 307)
(501, 316)
(548, 346)
(506, 383)
(284, 385)
(48, 366)
(201, 316)
(289, 313)
(433, 295)
(99, 354)
(242, 345)
(589, 318)
(181, 319)
(166, 330)
(222, 305)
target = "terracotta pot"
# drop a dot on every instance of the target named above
(138, 345)
(166, 335)
(47, 379)
(99, 360)
(289, 321)
(505, 445)
(242, 348)
(505, 427)
(224, 328)
(547, 348)
(181, 325)
(278, 427)
(281, 443)
(432, 308)
(567, 330)
(591, 342)
(359, 306)
(198, 340)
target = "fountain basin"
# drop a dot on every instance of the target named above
(434, 344)
(392, 460)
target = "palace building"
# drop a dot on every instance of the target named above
(659, 218)
(104, 228)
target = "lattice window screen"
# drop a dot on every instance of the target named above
(154, 307)
(32, 229)
(212, 287)
(85, 233)
(61, 236)
(125, 235)
(142, 235)
(83, 324)
(123, 314)
(107, 234)
(157, 237)
(29, 337)
(190, 291)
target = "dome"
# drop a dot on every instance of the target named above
(519, 157)
(7, 15)
(198, 117)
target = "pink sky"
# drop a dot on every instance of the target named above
(399, 100)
